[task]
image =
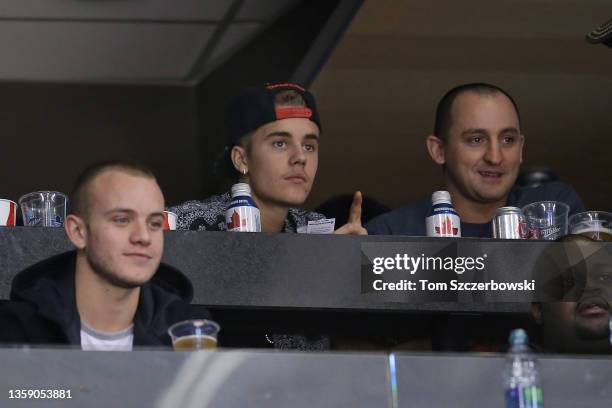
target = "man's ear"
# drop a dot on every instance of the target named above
(239, 159)
(435, 147)
(76, 230)
(522, 141)
(536, 312)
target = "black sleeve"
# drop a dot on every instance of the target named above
(14, 318)
(378, 226)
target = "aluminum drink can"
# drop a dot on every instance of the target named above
(509, 223)
(242, 215)
(8, 213)
(169, 221)
(442, 219)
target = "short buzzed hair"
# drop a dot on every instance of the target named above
(289, 97)
(79, 198)
(444, 118)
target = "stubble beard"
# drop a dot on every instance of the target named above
(106, 272)
(477, 193)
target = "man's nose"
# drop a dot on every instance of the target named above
(140, 233)
(493, 154)
(298, 155)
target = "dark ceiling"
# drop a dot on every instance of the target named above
(145, 41)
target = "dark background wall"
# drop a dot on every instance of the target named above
(50, 132)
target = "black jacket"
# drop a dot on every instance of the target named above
(43, 306)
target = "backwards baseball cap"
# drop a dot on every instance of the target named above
(255, 107)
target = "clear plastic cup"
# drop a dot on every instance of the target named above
(43, 209)
(596, 225)
(546, 220)
(192, 335)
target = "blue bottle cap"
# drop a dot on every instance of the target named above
(518, 336)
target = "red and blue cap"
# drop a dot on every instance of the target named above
(255, 107)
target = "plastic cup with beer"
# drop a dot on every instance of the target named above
(43, 209)
(190, 335)
(546, 219)
(596, 225)
(8, 213)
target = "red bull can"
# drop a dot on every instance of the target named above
(509, 223)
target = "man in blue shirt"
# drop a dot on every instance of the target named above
(478, 143)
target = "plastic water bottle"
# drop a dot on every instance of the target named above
(521, 378)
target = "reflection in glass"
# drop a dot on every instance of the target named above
(577, 282)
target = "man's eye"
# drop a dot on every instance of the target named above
(279, 144)
(121, 220)
(475, 140)
(605, 277)
(310, 147)
(155, 225)
(509, 140)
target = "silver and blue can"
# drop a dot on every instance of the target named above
(509, 223)
(242, 215)
(442, 220)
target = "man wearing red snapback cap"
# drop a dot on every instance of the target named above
(273, 146)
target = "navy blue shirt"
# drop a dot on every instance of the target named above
(410, 219)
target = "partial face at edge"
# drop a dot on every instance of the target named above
(581, 322)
